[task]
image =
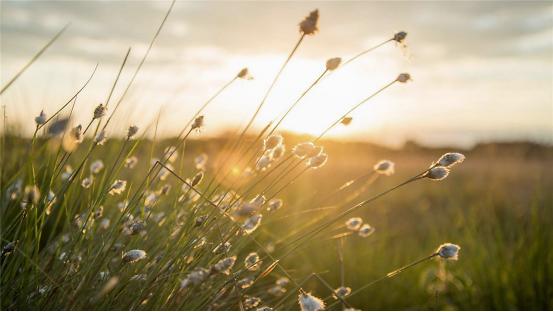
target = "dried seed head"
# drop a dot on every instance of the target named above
(317, 161)
(195, 278)
(346, 121)
(437, 173)
(448, 251)
(399, 37)
(451, 159)
(354, 224)
(132, 131)
(41, 118)
(100, 111)
(198, 122)
(222, 248)
(246, 282)
(225, 265)
(13, 191)
(282, 281)
(133, 255)
(131, 162)
(365, 230)
(403, 78)
(118, 187)
(309, 25)
(274, 204)
(309, 302)
(333, 63)
(164, 190)
(252, 223)
(244, 74)
(272, 141)
(252, 262)
(150, 200)
(100, 138)
(96, 166)
(341, 292)
(384, 167)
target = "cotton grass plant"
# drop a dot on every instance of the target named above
(84, 228)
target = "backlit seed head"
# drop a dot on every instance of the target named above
(14, 190)
(118, 187)
(150, 200)
(252, 262)
(41, 118)
(198, 123)
(251, 302)
(403, 78)
(195, 278)
(252, 223)
(448, 251)
(222, 248)
(164, 190)
(384, 167)
(451, 159)
(309, 25)
(346, 121)
(67, 172)
(309, 302)
(244, 73)
(274, 204)
(131, 162)
(100, 111)
(333, 63)
(96, 166)
(246, 282)
(87, 182)
(132, 131)
(354, 224)
(341, 292)
(197, 178)
(100, 138)
(225, 265)
(277, 291)
(272, 141)
(317, 161)
(302, 149)
(263, 163)
(365, 230)
(399, 37)
(133, 255)
(437, 173)
(282, 281)
(278, 152)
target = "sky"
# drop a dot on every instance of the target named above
(482, 70)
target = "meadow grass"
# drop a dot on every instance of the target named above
(261, 221)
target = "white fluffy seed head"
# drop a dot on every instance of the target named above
(333, 63)
(451, 159)
(278, 152)
(272, 141)
(365, 230)
(225, 265)
(309, 25)
(96, 166)
(317, 161)
(448, 251)
(252, 262)
(100, 138)
(41, 118)
(354, 224)
(385, 167)
(131, 162)
(274, 204)
(198, 122)
(252, 223)
(302, 149)
(200, 161)
(100, 111)
(118, 187)
(133, 255)
(309, 302)
(341, 292)
(263, 162)
(437, 173)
